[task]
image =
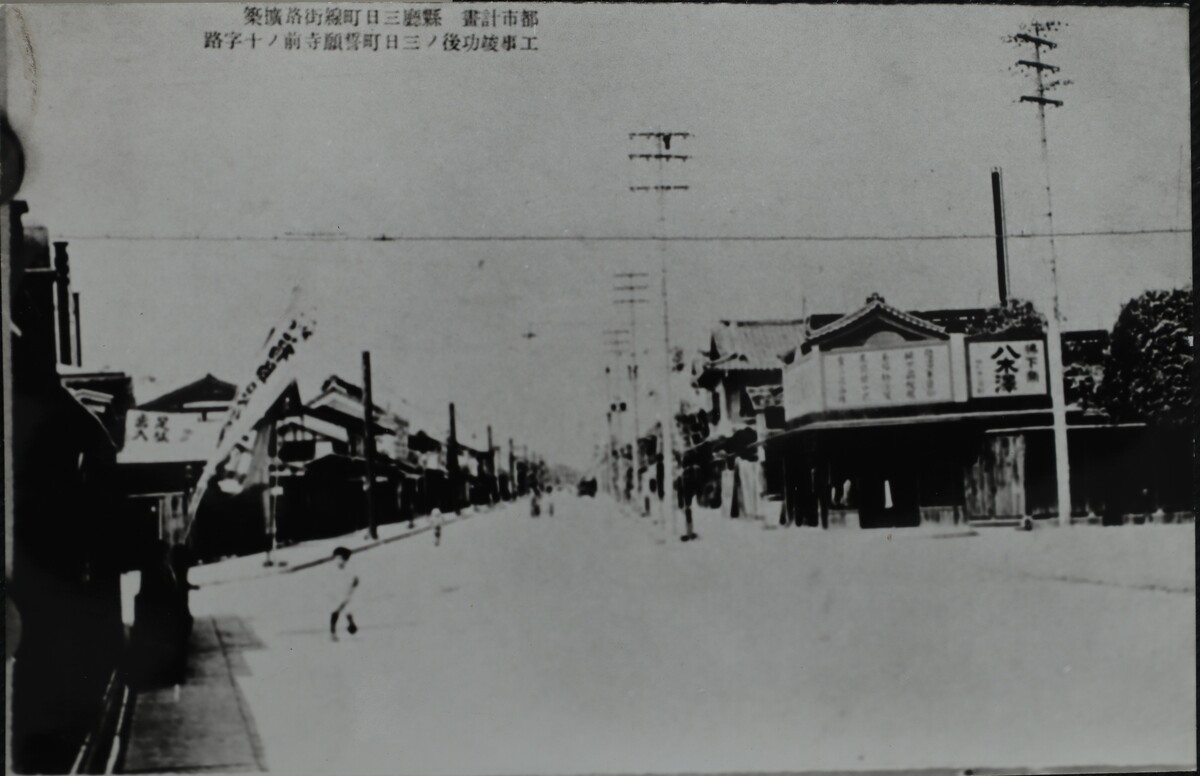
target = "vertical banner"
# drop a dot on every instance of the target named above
(274, 370)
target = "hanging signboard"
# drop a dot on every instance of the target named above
(1007, 368)
(162, 437)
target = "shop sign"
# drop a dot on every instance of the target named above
(1007, 368)
(167, 436)
(887, 377)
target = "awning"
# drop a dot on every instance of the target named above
(833, 424)
(336, 464)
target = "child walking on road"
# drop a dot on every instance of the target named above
(347, 582)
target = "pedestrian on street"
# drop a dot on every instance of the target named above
(346, 582)
(435, 519)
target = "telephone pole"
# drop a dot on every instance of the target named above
(452, 462)
(662, 156)
(368, 445)
(633, 285)
(616, 343)
(512, 471)
(1035, 35)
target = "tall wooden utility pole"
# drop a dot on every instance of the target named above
(62, 287)
(633, 285)
(1002, 281)
(617, 344)
(493, 484)
(78, 330)
(452, 461)
(661, 156)
(369, 445)
(1036, 38)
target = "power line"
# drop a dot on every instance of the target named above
(385, 238)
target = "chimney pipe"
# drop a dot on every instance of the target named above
(63, 288)
(1001, 234)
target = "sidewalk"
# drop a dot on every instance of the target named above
(202, 724)
(304, 555)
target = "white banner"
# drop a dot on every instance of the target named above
(1007, 368)
(274, 370)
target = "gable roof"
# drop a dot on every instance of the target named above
(875, 307)
(206, 389)
(348, 398)
(754, 345)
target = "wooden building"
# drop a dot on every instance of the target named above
(898, 419)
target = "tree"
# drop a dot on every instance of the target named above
(1016, 316)
(1148, 367)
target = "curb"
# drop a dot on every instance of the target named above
(373, 544)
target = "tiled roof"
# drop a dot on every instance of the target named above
(207, 388)
(954, 321)
(756, 345)
(875, 303)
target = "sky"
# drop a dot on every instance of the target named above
(150, 154)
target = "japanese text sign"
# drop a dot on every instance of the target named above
(884, 377)
(1007, 368)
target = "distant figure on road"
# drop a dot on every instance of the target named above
(435, 519)
(345, 585)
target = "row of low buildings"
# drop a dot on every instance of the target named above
(885, 417)
(308, 480)
(101, 484)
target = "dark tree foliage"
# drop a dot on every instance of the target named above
(1016, 317)
(1148, 367)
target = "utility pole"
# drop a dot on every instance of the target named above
(493, 484)
(616, 343)
(1001, 235)
(452, 461)
(369, 445)
(62, 287)
(513, 471)
(78, 330)
(662, 156)
(633, 287)
(1035, 35)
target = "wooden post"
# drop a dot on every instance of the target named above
(493, 484)
(62, 284)
(823, 486)
(369, 445)
(452, 462)
(78, 331)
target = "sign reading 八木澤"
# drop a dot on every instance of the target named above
(1007, 368)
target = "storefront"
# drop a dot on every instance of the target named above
(892, 420)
